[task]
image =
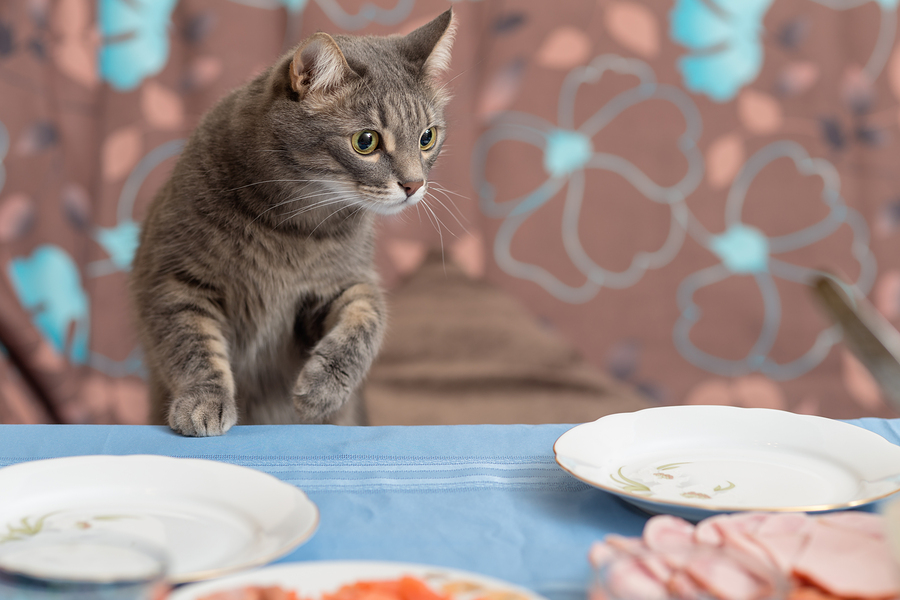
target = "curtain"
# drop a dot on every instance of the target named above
(656, 180)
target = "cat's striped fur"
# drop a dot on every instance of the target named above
(254, 288)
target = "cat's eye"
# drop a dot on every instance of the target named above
(429, 137)
(365, 141)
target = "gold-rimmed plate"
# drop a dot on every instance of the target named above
(314, 578)
(210, 518)
(695, 461)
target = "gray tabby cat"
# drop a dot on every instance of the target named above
(254, 287)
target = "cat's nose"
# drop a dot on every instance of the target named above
(411, 187)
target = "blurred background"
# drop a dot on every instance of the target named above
(632, 199)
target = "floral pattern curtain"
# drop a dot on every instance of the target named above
(656, 180)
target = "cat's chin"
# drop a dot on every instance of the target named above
(393, 207)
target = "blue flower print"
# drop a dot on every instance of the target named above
(49, 286)
(568, 150)
(742, 249)
(120, 242)
(746, 251)
(135, 40)
(294, 6)
(725, 39)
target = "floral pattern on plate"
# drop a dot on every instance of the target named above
(667, 480)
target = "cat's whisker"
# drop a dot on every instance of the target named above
(431, 208)
(446, 193)
(328, 217)
(440, 234)
(241, 187)
(320, 194)
(324, 199)
(438, 224)
(355, 212)
(404, 216)
(427, 214)
(293, 199)
(329, 199)
(320, 204)
(458, 222)
(449, 191)
(290, 215)
(299, 199)
(289, 201)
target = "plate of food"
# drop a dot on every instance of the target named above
(210, 518)
(695, 461)
(354, 580)
(841, 555)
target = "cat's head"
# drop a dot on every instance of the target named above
(371, 113)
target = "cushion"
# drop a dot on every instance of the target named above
(459, 350)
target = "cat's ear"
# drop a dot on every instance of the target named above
(318, 65)
(430, 44)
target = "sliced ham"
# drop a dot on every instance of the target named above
(665, 533)
(710, 530)
(808, 592)
(676, 559)
(657, 566)
(783, 536)
(863, 522)
(706, 532)
(848, 563)
(683, 587)
(629, 579)
(601, 554)
(724, 578)
(740, 539)
(837, 556)
(784, 524)
(747, 522)
(626, 545)
(783, 550)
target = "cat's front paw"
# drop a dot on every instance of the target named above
(202, 415)
(321, 389)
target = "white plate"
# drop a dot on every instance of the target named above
(210, 517)
(694, 461)
(311, 579)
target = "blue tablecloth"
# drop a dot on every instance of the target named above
(484, 498)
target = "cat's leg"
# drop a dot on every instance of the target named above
(339, 361)
(192, 363)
